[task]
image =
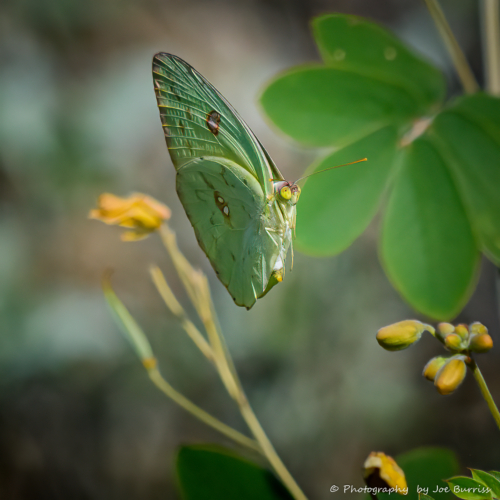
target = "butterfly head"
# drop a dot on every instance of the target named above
(287, 192)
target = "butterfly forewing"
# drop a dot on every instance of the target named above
(198, 121)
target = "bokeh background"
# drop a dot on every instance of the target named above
(78, 415)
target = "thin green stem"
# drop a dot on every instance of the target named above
(202, 415)
(485, 391)
(459, 60)
(175, 307)
(253, 422)
(490, 15)
(268, 449)
(196, 285)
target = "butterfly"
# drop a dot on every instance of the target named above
(242, 209)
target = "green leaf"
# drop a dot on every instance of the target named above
(323, 106)
(421, 496)
(492, 482)
(468, 488)
(495, 474)
(469, 137)
(427, 246)
(127, 323)
(357, 45)
(335, 207)
(425, 470)
(208, 472)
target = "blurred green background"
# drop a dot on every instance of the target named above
(78, 416)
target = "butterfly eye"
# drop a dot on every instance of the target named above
(286, 192)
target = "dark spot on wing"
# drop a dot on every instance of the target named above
(222, 205)
(213, 120)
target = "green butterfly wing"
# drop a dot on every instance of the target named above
(222, 181)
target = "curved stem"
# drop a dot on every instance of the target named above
(269, 451)
(196, 285)
(490, 16)
(253, 423)
(485, 391)
(195, 410)
(461, 65)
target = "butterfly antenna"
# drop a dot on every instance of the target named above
(330, 168)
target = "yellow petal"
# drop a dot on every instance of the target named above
(138, 211)
(433, 366)
(481, 343)
(450, 376)
(381, 467)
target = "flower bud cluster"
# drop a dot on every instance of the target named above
(447, 372)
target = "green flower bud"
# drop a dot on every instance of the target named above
(433, 366)
(453, 342)
(478, 328)
(463, 331)
(481, 343)
(400, 335)
(450, 376)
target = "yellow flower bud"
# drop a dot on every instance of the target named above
(453, 342)
(139, 212)
(400, 335)
(380, 468)
(478, 328)
(481, 343)
(450, 376)
(446, 328)
(462, 330)
(433, 366)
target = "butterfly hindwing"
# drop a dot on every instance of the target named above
(239, 232)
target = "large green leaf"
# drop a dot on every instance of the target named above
(354, 44)
(335, 207)
(427, 245)
(425, 470)
(469, 137)
(208, 472)
(324, 106)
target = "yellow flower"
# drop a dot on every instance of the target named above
(380, 469)
(401, 335)
(450, 376)
(139, 212)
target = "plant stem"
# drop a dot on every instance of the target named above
(268, 450)
(174, 306)
(195, 410)
(196, 285)
(485, 391)
(254, 425)
(461, 65)
(490, 14)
